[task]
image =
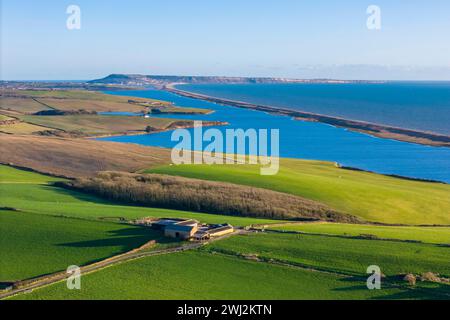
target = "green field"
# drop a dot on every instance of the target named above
(21, 105)
(34, 195)
(21, 128)
(97, 124)
(370, 196)
(12, 175)
(423, 234)
(184, 110)
(57, 227)
(197, 275)
(3, 117)
(33, 245)
(31, 101)
(341, 255)
(73, 94)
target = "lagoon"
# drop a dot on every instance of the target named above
(309, 140)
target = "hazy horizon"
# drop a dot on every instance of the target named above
(225, 76)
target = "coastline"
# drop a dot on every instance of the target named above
(373, 129)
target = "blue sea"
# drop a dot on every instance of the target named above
(421, 106)
(309, 140)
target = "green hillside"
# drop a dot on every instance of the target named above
(196, 275)
(55, 227)
(438, 235)
(370, 196)
(33, 194)
(33, 245)
(341, 255)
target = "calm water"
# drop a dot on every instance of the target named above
(309, 140)
(416, 105)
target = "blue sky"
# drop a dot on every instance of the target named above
(282, 38)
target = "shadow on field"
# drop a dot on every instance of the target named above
(75, 194)
(128, 238)
(4, 285)
(428, 291)
(438, 292)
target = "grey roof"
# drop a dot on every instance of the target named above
(177, 227)
(166, 222)
(222, 228)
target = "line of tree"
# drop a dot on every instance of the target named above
(187, 194)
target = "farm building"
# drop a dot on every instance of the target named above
(220, 230)
(163, 223)
(208, 232)
(189, 229)
(181, 230)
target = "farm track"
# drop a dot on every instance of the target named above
(124, 257)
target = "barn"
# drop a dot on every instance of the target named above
(181, 230)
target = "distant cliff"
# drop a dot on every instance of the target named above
(158, 80)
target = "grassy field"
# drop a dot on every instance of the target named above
(24, 105)
(12, 175)
(424, 234)
(164, 191)
(33, 245)
(184, 110)
(31, 101)
(57, 227)
(337, 254)
(21, 128)
(3, 117)
(45, 199)
(366, 195)
(72, 94)
(77, 157)
(197, 275)
(98, 124)
(90, 105)
(54, 228)
(27, 102)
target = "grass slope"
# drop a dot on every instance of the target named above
(45, 236)
(337, 254)
(33, 245)
(24, 105)
(71, 94)
(370, 196)
(201, 274)
(77, 157)
(97, 124)
(90, 105)
(429, 234)
(196, 275)
(164, 191)
(46, 199)
(21, 128)
(31, 101)
(12, 175)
